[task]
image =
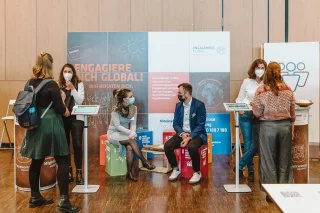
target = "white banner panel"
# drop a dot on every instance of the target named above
(299, 62)
(159, 122)
(209, 52)
(168, 51)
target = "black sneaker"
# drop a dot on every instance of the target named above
(241, 176)
(268, 199)
(251, 177)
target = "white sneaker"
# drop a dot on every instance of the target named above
(174, 175)
(195, 178)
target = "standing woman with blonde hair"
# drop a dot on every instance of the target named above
(73, 88)
(49, 138)
(274, 105)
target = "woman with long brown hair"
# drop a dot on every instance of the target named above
(248, 123)
(48, 139)
(274, 105)
(73, 88)
(119, 133)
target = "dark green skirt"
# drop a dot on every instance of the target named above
(48, 139)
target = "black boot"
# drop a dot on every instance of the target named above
(251, 177)
(65, 205)
(241, 176)
(268, 199)
(79, 179)
(37, 200)
(70, 174)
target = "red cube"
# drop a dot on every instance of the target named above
(103, 140)
(166, 135)
(186, 162)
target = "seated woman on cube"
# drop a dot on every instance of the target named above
(119, 133)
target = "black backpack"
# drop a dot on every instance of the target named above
(25, 106)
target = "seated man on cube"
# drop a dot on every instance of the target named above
(189, 124)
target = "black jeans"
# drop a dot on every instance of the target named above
(75, 127)
(193, 146)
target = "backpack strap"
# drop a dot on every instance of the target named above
(43, 114)
(43, 82)
(26, 87)
(39, 87)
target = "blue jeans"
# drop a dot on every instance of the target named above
(249, 129)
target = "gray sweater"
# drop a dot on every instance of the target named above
(118, 129)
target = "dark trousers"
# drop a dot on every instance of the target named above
(193, 146)
(62, 174)
(75, 127)
(275, 152)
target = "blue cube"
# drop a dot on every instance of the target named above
(218, 124)
(144, 137)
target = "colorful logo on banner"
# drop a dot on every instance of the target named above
(218, 125)
(299, 63)
(294, 74)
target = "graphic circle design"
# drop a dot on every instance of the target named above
(301, 66)
(291, 66)
(133, 49)
(210, 92)
(221, 50)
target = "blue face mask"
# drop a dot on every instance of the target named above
(131, 101)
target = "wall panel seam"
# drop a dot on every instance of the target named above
(252, 30)
(268, 20)
(5, 39)
(162, 15)
(193, 18)
(36, 27)
(99, 27)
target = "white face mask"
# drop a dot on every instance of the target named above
(67, 76)
(259, 72)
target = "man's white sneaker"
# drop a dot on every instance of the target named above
(174, 175)
(195, 178)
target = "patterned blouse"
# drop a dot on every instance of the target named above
(267, 106)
